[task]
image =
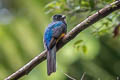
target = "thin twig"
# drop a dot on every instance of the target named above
(71, 35)
(83, 76)
(69, 76)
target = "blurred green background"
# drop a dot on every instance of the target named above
(94, 51)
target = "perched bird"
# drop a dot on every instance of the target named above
(53, 33)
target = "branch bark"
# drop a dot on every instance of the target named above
(71, 35)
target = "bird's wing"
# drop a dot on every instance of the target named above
(57, 31)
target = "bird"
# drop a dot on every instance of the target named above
(55, 31)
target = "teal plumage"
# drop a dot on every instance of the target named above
(52, 34)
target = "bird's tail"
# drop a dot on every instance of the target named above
(51, 60)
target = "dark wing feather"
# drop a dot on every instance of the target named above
(59, 30)
(56, 34)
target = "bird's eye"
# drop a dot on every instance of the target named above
(59, 16)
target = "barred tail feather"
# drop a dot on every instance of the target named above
(51, 60)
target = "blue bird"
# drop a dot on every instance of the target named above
(53, 33)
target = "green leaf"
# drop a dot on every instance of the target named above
(84, 48)
(85, 3)
(77, 45)
(103, 31)
(51, 4)
(109, 19)
(78, 48)
(78, 42)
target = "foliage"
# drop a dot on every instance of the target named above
(22, 25)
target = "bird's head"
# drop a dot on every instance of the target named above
(59, 17)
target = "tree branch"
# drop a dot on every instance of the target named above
(72, 34)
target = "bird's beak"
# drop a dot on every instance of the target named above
(63, 16)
